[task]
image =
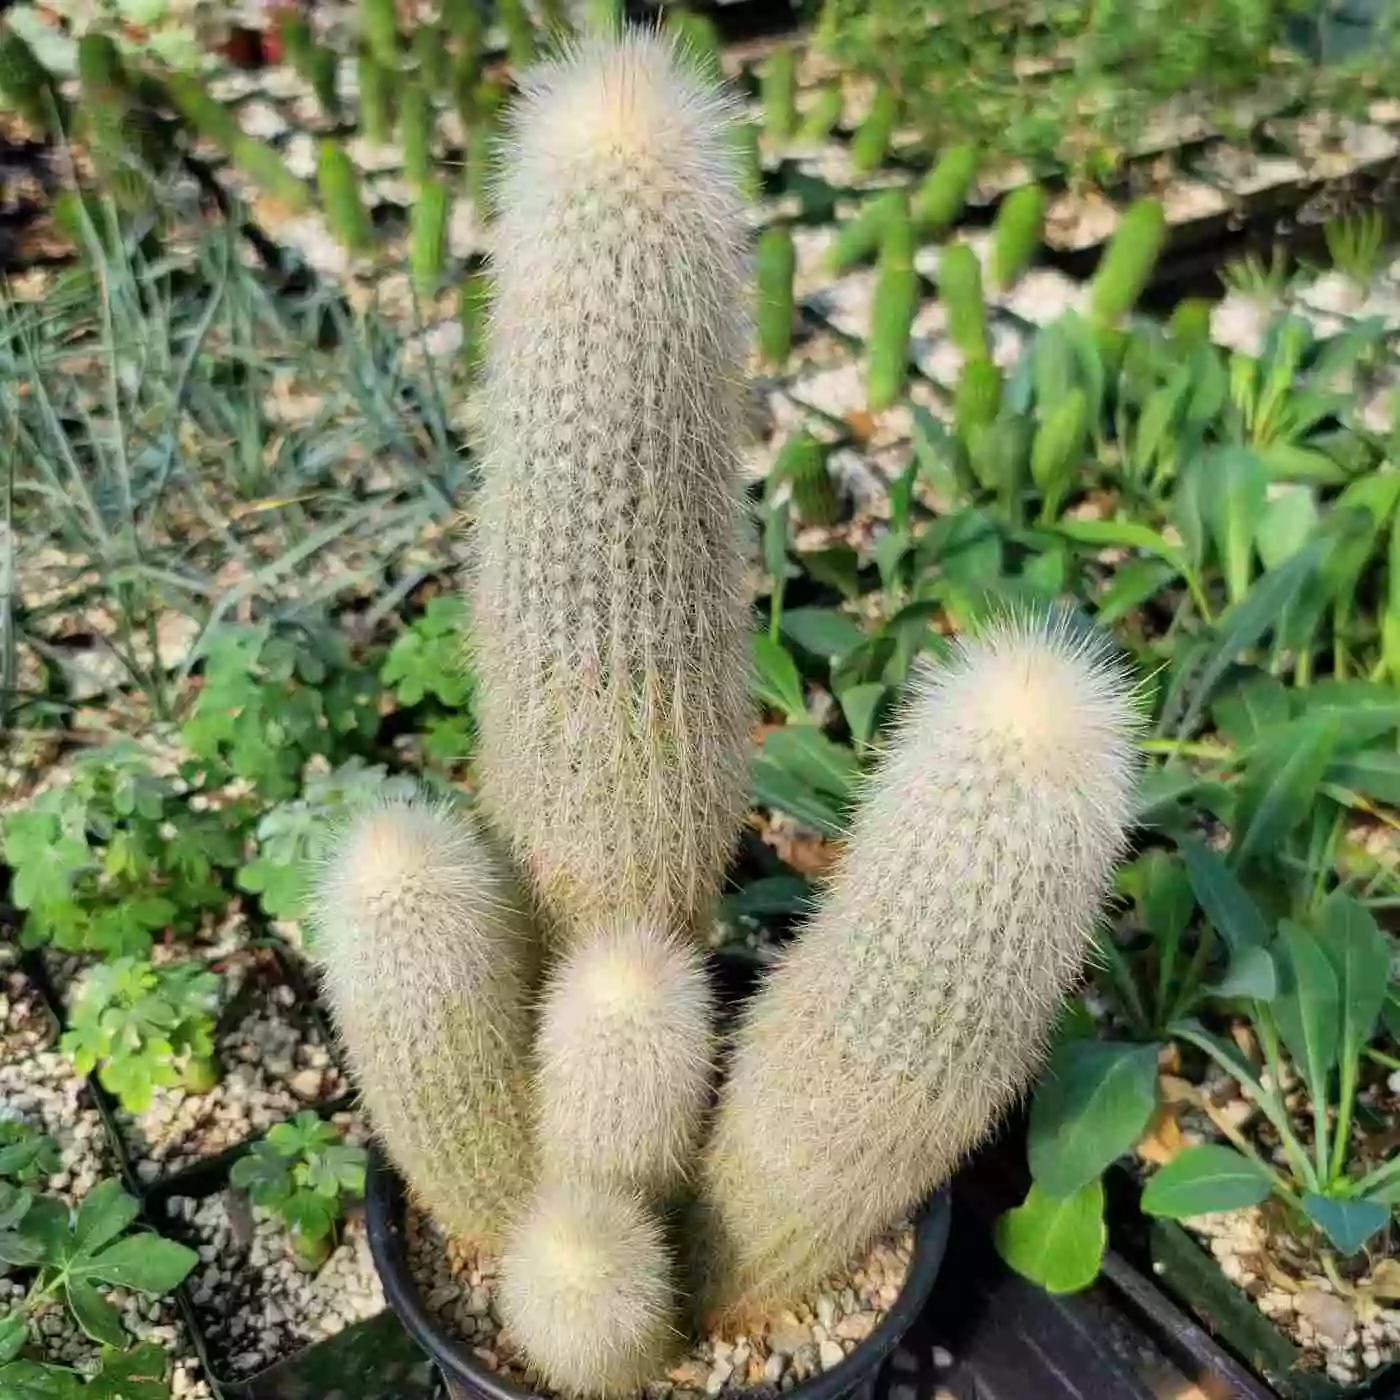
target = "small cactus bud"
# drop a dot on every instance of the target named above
(1127, 263)
(587, 1289)
(892, 315)
(775, 264)
(960, 289)
(698, 43)
(1016, 234)
(802, 463)
(938, 201)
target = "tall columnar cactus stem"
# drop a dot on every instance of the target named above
(916, 1005)
(339, 185)
(871, 142)
(376, 99)
(587, 1289)
(611, 621)
(417, 126)
(624, 1059)
(425, 957)
(427, 236)
(960, 289)
(379, 23)
(779, 92)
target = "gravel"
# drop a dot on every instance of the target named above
(44, 1092)
(274, 1061)
(796, 1344)
(255, 1306)
(1347, 1337)
(25, 1024)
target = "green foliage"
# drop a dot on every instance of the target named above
(27, 1156)
(821, 116)
(857, 238)
(426, 661)
(118, 855)
(801, 462)
(304, 1173)
(143, 1027)
(25, 83)
(272, 699)
(76, 1257)
(293, 835)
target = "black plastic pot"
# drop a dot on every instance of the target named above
(468, 1378)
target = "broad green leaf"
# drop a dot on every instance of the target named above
(839, 568)
(144, 1262)
(1248, 711)
(1093, 1103)
(822, 631)
(1279, 785)
(775, 679)
(105, 1212)
(1167, 901)
(137, 1374)
(19, 1250)
(94, 1314)
(1360, 955)
(861, 706)
(1308, 1007)
(1205, 1179)
(1235, 484)
(1130, 587)
(1057, 1242)
(1286, 524)
(1251, 975)
(1161, 792)
(12, 1334)
(1223, 900)
(810, 756)
(1374, 774)
(773, 786)
(30, 1380)
(1348, 1224)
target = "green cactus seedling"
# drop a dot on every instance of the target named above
(801, 462)
(891, 316)
(269, 172)
(434, 61)
(916, 1005)
(779, 94)
(871, 142)
(744, 135)
(339, 185)
(977, 399)
(1058, 450)
(427, 235)
(862, 235)
(323, 73)
(1016, 235)
(821, 116)
(376, 99)
(1127, 263)
(775, 264)
(294, 32)
(379, 24)
(603, 588)
(417, 126)
(960, 289)
(604, 17)
(939, 199)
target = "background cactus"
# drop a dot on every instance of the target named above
(941, 194)
(1127, 262)
(339, 185)
(775, 263)
(1016, 234)
(914, 1008)
(779, 93)
(376, 99)
(822, 115)
(427, 235)
(417, 124)
(960, 290)
(624, 1060)
(425, 957)
(379, 24)
(802, 464)
(871, 141)
(860, 236)
(610, 616)
(587, 1288)
(892, 315)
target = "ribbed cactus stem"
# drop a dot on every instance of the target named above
(607, 589)
(624, 1060)
(915, 1007)
(379, 23)
(1127, 263)
(863, 234)
(815, 493)
(892, 315)
(416, 129)
(425, 955)
(775, 263)
(520, 33)
(376, 99)
(587, 1289)
(322, 72)
(339, 185)
(427, 236)
(434, 59)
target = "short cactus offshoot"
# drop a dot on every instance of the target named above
(611, 622)
(915, 1007)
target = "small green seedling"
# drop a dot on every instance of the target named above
(145, 1028)
(304, 1173)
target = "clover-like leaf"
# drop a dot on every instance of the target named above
(93, 1313)
(145, 1262)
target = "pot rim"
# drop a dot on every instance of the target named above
(385, 1210)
